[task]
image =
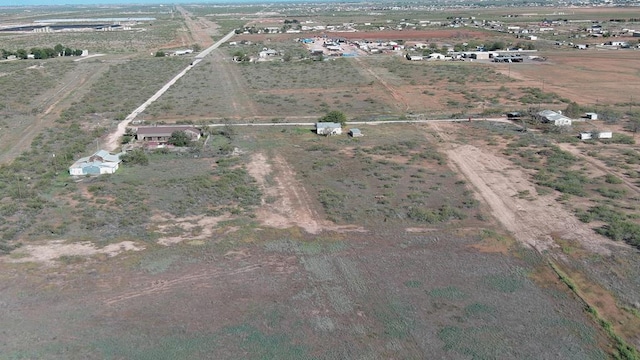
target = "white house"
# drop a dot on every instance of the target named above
(265, 53)
(554, 118)
(182, 52)
(328, 128)
(101, 162)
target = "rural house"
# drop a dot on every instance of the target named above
(161, 134)
(355, 132)
(101, 162)
(328, 128)
(549, 116)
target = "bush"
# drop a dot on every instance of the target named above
(432, 216)
(180, 139)
(612, 179)
(335, 116)
(137, 156)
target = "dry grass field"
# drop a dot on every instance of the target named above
(460, 240)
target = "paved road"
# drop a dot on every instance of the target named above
(113, 142)
(382, 122)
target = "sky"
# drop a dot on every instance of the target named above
(101, 2)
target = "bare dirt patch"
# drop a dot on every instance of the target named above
(190, 228)
(572, 76)
(285, 202)
(55, 249)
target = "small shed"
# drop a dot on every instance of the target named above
(596, 135)
(328, 128)
(605, 135)
(591, 116)
(355, 132)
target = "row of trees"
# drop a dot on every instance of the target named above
(42, 53)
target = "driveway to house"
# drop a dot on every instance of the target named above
(113, 140)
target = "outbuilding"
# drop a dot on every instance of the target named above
(591, 116)
(355, 133)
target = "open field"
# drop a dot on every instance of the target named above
(461, 240)
(454, 289)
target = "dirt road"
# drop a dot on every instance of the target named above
(113, 140)
(600, 166)
(533, 219)
(201, 29)
(400, 102)
(51, 104)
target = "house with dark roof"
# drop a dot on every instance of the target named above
(161, 134)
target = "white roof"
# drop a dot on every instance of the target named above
(323, 125)
(553, 116)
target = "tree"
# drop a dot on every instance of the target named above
(21, 53)
(136, 156)
(573, 110)
(634, 123)
(240, 56)
(59, 49)
(160, 53)
(179, 138)
(335, 116)
(37, 53)
(498, 45)
(49, 52)
(68, 51)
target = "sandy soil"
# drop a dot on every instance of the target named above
(198, 227)
(572, 75)
(52, 250)
(533, 220)
(285, 202)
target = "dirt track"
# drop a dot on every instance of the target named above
(52, 104)
(285, 201)
(533, 220)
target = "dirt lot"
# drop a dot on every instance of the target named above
(601, 67)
